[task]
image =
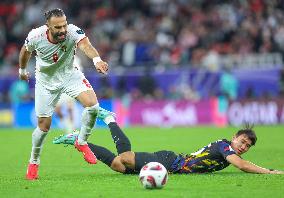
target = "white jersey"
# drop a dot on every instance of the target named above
(54, 61)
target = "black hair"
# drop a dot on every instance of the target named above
(247, 130)
(57, 12)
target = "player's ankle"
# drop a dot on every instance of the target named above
(109, 119)
(81, 142)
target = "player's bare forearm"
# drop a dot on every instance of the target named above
(252, 168)
(91, 52)
(24, 57)
(249, 167)
(87, 48)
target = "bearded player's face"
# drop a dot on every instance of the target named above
(58, 28)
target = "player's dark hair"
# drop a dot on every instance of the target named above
(57, 12)
(247, 130)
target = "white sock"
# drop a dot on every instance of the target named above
(109, 119)
(89, 116)
(38, 137)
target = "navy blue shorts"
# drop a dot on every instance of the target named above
(164, 157)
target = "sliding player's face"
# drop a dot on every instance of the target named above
(58, 28)
(241, 144)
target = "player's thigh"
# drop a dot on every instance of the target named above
(79, 87)
(142, 158)
(164, 157)
(45, 101)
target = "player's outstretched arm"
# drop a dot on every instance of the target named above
(249, 167)
(24, 58)
(92, 53)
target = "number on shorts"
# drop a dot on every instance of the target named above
(86, 82)
(55, 57)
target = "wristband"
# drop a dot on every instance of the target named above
(22, 71)
(96, 60)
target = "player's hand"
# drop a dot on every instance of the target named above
(23, 75)
(102, 67)
(277, 172)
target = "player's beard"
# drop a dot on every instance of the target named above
(57, 36)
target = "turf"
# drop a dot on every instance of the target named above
(63, 173)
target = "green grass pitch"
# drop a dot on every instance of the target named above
(64, 173)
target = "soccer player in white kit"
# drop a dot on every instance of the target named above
(55, 45)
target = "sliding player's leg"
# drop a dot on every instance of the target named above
(134, 161)
(119, 138)
(123, 145)
(103, 154)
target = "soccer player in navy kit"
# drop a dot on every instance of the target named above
(213, 157)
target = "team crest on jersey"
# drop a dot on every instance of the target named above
(63, 48)
(228, 148)
(80, 31)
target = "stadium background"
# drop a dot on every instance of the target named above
(172, 63)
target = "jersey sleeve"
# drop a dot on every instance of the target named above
(77, 34)
(225, 149)
(30, 42)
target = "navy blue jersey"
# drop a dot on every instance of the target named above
(208, 159)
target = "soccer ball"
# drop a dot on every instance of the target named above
(153, 175)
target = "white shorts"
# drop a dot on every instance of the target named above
(65, 100)
(46, 100)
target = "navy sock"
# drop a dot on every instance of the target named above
(102, 153)
(120, 139)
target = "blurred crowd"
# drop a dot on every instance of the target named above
(152, 33)
(166, 32)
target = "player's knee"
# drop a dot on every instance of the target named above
(90, 103)
(117, 165)
(44, 128)
(44, 124)
(87, 98)
(128, 158)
